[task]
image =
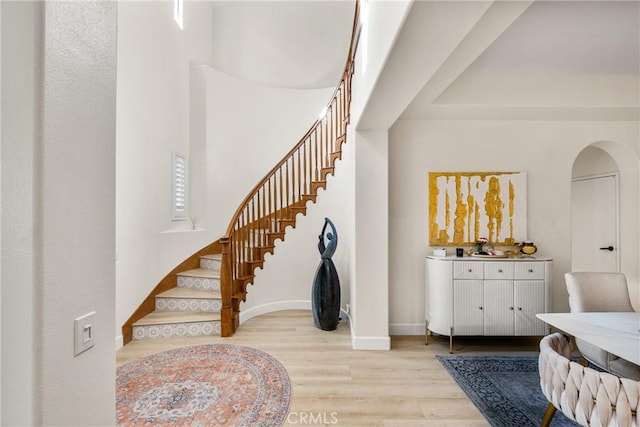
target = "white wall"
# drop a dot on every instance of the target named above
(544, 150)
(250, 127)
(355, 200)
(234, 131)
(20, 52)
(262, 32)
(59, 78)
(298, 254)
(593, 161)
(369, 250)
(627, 162)
(384, 20)
(156, 114)
(371, 290)
(0, 212)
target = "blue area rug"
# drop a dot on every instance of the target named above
(506, 389)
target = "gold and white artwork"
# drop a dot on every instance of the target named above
(464, 206)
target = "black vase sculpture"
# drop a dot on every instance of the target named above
(325, 294)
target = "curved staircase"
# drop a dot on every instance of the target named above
(202, 295)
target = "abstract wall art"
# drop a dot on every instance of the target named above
(464, 206)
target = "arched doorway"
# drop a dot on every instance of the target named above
(595, 212)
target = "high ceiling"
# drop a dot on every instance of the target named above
(453, 59)
(568, 37)
(547, 60)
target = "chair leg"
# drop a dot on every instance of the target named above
(551, 410)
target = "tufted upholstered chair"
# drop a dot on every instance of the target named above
(596, 291)
(589, 397)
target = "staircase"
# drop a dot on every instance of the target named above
(190, 309)
(202, 295)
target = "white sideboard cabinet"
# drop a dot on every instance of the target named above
(486, 296)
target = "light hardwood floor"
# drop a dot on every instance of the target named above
(335, 385)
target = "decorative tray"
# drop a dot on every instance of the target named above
(477, 255)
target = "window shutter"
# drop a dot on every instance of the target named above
(179, 190)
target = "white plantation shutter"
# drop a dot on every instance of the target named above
(179, 187)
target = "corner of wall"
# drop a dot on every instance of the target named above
(371, 343)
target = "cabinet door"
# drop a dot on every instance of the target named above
(467, 307)
(499, 309)
(529, 300)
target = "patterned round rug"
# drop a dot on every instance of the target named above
(204, 385)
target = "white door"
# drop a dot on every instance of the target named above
(594, 224)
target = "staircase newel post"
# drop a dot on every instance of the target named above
(226, 290)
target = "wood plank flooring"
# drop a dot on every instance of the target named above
(335, 385)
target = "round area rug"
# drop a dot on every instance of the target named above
(204, 385)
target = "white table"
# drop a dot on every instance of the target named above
(616, 333)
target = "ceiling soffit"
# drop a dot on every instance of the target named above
(556, 61)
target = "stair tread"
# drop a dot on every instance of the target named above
(189, 293)
(201, 272)
(166, 317)
(264, 246)
(212, 256)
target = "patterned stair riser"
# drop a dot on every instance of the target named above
(200, 283)
(196, 329)
(188, 304)
(210, 264)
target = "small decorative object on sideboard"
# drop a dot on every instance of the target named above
(480, 244)
(528, 248)
(439, 252)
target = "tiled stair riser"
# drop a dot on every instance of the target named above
(195, 329)
(188, 304)
(170, 303)
(200, 283)
(210, 264)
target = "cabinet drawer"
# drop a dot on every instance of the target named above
(529, 270)
(467, 270)
(497, 270)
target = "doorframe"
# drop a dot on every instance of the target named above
(616, 177)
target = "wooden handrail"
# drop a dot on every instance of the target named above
(273, 203)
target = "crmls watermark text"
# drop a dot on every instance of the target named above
(326, 418)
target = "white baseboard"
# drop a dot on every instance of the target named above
(357, 343)
(406, 329)
(119, 342)
(371, 343)
(274, 306)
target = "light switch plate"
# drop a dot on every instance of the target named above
(84, 327)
